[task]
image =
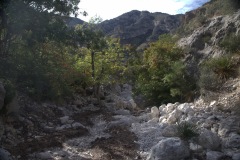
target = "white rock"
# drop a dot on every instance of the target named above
(169, 149)
(162, 107)
(174, 116)
(148, 133)
(133, 104)
(209, 140)
(195, 147)
(162, 118)
(64, 120)
(77, 125)
(185, 108)
(213, 103)
(170, 107)
(214, 155)
(155, 112)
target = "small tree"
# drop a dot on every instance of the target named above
(162, 77)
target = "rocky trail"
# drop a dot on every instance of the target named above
(82, 130)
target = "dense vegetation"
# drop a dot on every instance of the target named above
(162, 75)
(42, 57)
(45, 59)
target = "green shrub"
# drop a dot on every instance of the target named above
(223, 67)
(208, 80)
(187, 130)
(231, 43)
(162, 75)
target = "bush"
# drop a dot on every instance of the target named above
(162, 75)
(223, 67)
(186, 130)
(231, 43)
(208, 80)
(44, 71)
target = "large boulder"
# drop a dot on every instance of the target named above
(5, 155)
(174, 116)
(169, 149)
(214, 155)
(155, 112)
(209, 140)
(233, 141)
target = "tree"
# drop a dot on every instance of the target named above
(21, 16)
(162, 76)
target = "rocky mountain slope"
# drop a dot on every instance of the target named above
(137, 27)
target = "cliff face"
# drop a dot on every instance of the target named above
(137, 27)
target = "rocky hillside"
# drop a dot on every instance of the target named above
(137, 27)
(114, 126)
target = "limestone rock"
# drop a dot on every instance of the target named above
(214, 155)
(155, 112)
(137, 27)
(169, 149)
(64, 120)
(169, 131)
(209, 140)
(174, 116)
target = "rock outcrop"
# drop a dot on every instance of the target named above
(137, 27)
(204, 41)
(169, 149)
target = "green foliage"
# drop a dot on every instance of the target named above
(215, 71)
(162, 75)
(187, 130)
(44, 71)
(208, 80)
(40, 18)
(109, 63)
(223, 67)
(231, 43)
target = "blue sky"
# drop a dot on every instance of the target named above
(108, 9)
